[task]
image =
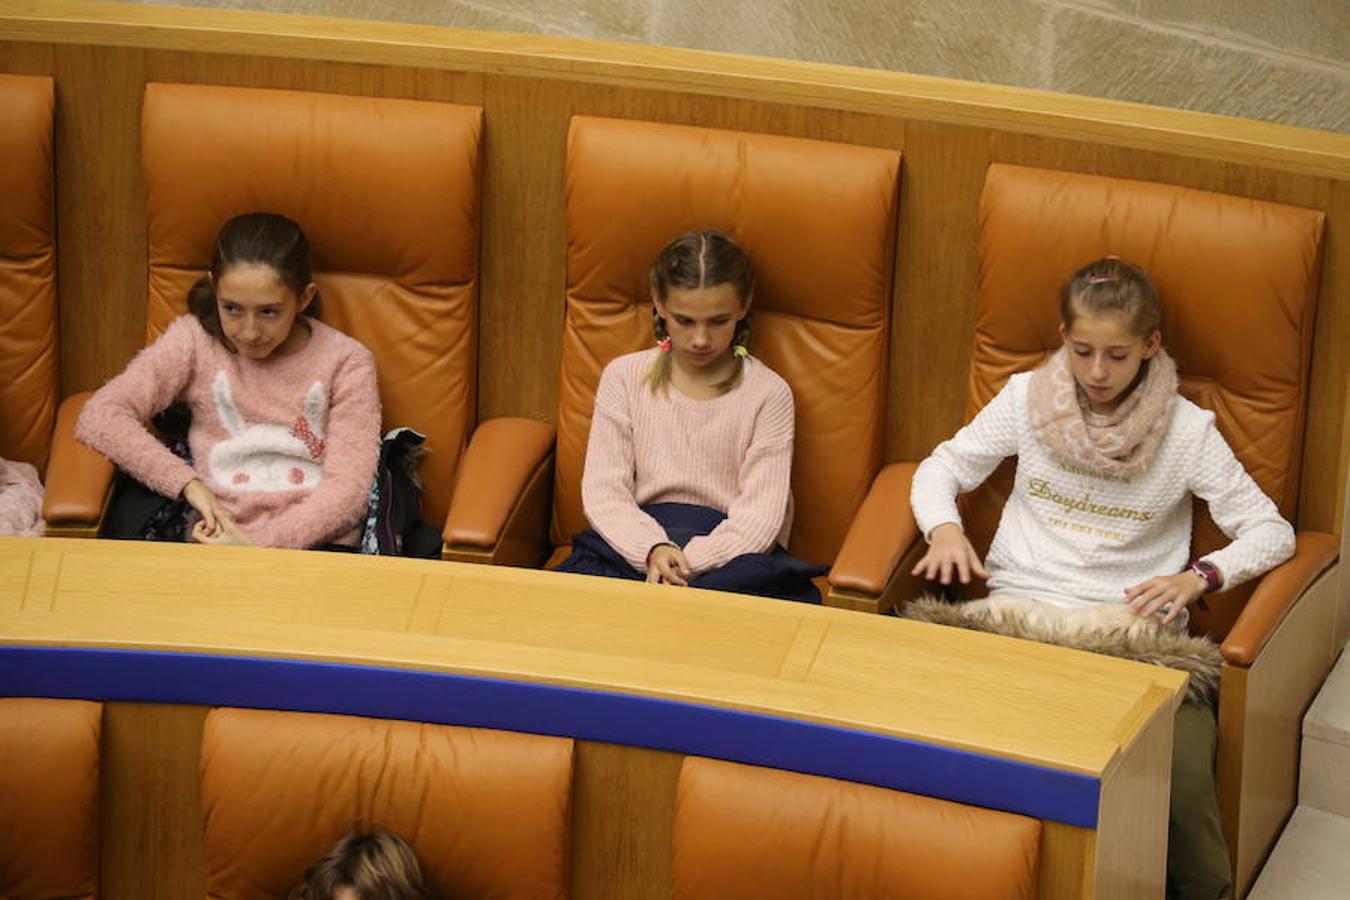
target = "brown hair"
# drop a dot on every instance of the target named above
(700, 259)
(1112, 285)
(377, 866)
(260, 238)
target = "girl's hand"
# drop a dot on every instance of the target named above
(949, 551)
(214, 515)
(1180, 590)
(227, 534)
(666, 565)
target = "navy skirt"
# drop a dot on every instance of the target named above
(774, 574)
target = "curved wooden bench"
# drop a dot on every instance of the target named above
(638, 675)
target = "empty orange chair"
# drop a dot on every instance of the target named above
(49, 780)
(748, 833)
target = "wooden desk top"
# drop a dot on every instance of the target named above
(1005, 698)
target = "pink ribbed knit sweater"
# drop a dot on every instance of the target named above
(732, 453)
(288, 444)
(20, 500)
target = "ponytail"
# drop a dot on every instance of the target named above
(700, 259)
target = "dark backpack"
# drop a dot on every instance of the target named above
(394, 525)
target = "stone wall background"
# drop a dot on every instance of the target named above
(1278, 60)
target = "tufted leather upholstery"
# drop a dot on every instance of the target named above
(49, 797)
(488, 812)
(744, 833)
(28, 357)
(1238, 280)
(387, 192)
(818, 220)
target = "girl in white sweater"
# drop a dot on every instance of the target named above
(1108, 458)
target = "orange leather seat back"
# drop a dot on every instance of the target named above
(1238, 280)
(29, 385)
(818, 220)
(746, 833)
(487, 812)
(49, 798)
(387, 193)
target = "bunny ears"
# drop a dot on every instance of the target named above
(308, 427)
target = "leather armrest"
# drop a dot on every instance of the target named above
(78, 478)
(881, 533)
(502, 459)
(1276, 594)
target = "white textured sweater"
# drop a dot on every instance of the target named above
(732, 453)
(1071, 537)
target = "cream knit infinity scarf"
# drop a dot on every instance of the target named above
(1120, 444)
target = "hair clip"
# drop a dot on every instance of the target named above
(741, 351)
(1109, 278)
(664, 344)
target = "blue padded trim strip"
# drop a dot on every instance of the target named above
(448, 699)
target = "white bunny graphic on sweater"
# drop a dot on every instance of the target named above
(265, 457)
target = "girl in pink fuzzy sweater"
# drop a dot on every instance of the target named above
(285, 430)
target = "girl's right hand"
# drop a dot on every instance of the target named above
(227, 533)
(949, 550)
(666, 565)
(215, 518)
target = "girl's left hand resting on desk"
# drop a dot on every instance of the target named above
(666, 565)
(1148, 597)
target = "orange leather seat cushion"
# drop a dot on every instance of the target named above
(29, 370)
(1238, 281)
(745, 833)
(387, 192)
(49, 797)
(818, 220)
(488, 812)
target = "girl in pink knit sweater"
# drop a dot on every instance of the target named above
(689, 461)
(285, 412)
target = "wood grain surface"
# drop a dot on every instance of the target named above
(1012, 699)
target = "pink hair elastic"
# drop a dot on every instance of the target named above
(1103, 279)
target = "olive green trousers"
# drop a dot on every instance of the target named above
(1198, 867)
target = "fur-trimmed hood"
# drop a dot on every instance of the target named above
(1198, 657)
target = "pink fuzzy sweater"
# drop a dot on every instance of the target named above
(732, 453)
(288, 444)
(20, 500)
